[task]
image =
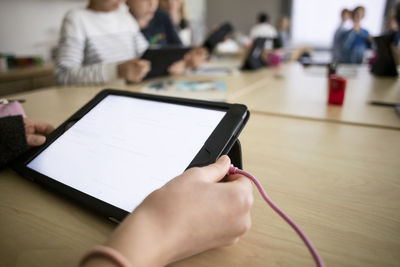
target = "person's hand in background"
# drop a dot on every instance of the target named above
(36, 132)
(196, 57)
(177, 68)
(192, 60)
(134, 70)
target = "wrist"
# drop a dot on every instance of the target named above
(188, 63)
(120, 70)
(109, 71)
(141, 241)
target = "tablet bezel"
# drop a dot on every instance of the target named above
(219, 143)
(162, 58)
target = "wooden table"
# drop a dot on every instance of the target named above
(339, 182)
(302, 93)
(64, 101)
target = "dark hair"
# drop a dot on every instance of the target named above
(263, 17)
(183, 24)
(345, 10)
(359, 7)
(355, 10)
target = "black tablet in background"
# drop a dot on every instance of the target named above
(122, 146)
(162, 58)
(253, 59)
(218, 36)
(385, 64)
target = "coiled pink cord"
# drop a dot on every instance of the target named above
(307, 242)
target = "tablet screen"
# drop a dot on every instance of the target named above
(125, 148)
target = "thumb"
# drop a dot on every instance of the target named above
(144, 63)
(217, 171)
(35, 140)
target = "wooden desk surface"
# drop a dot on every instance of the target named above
(302, 93)
(340, 183)
(55, 104)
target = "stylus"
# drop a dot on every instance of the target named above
(306, 240)
(6, 101)
(385, 104)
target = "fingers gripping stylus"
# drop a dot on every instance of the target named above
(306, 240)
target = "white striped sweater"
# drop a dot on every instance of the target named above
(92, 44)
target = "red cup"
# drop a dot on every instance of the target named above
(337, 89)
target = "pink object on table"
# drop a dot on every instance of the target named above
(12, 109)
(274, 59)
(337, 89)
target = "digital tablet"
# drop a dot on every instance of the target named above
(162, 58)
(253, 59)
(385, 64)
(218, 36)
(121, 146)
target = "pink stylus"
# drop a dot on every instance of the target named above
(307, 242)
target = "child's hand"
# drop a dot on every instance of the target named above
(36, 132)
(192, 213)
(177, 68)
(134, 70)
(196, 57)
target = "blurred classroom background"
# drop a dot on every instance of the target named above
(30, 29)
(323, 137)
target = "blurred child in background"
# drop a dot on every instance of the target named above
(99, 44)
(177, 11)
(283, 28)
(353, 43)
(157, 27)
(345, 25)
(155, 24)
(263, 28)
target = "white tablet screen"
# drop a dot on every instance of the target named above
(125, 148)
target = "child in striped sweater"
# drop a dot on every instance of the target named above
(99, 44)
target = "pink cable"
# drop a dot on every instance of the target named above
(307, 242)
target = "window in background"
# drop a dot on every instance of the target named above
(31, 27)
(314, 21)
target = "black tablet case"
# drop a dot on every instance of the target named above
(385, 64)
(218, 36)
(253, 59)
(209, 154)
(162, 58)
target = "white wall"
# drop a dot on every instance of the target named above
(197, 14)
(197, 9)
(31, 27)
(315, 21)
(241, 13)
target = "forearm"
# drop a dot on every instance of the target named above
(140, 240)
(71, 69)
(136, 239)
(99, 73)
(190, 214)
